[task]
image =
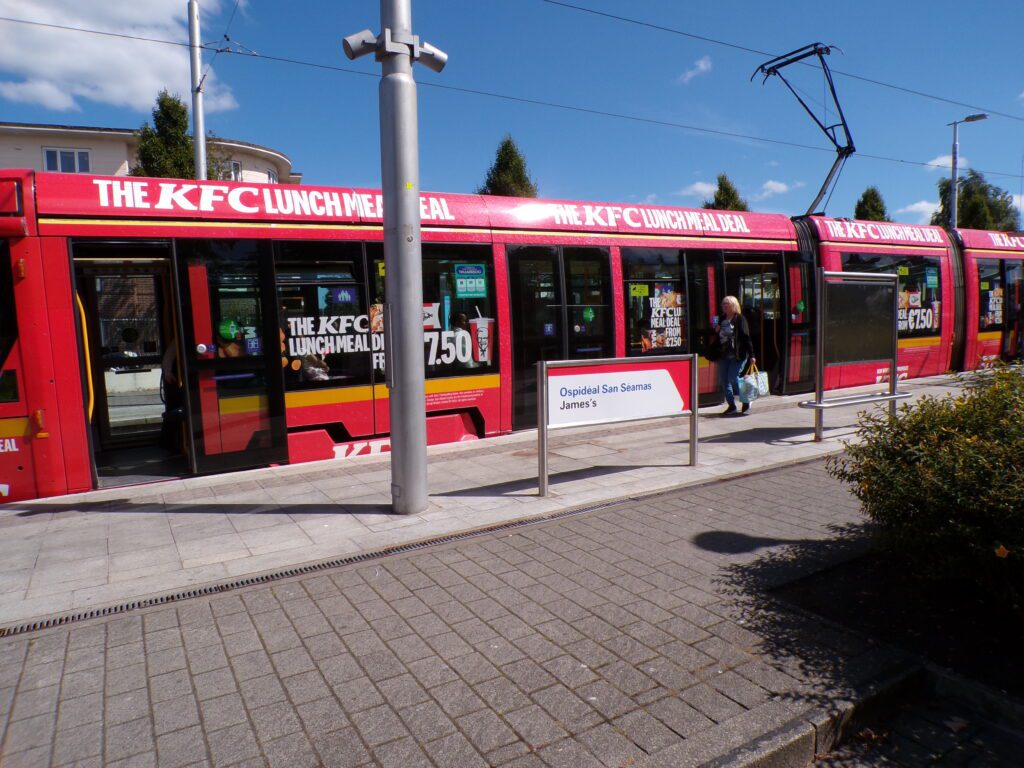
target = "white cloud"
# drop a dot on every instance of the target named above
(771, 188)
(57, 69)
(698, 189)
(945, 163)
(1018, 201)
(700, 67)
(923, 209)
(651, 198)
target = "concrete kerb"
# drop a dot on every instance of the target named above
(796, 743)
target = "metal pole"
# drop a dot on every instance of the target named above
(894, 365)
(403, 271)
(694, 372)
(198, 120)
(542, 428)
(953, 192)
(819, 368)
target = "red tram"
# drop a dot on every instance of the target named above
(155, 328)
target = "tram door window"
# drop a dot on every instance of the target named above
(756, 283)
(137, 417)
(1013, 335)
(232, 354)
(798, 292)
(561, 310)
(8, 326)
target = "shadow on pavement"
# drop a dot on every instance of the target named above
(734, 543)
(830, 662)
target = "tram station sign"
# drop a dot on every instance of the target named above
(595, 394)
(575, 393)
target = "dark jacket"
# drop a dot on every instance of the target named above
(742, 345)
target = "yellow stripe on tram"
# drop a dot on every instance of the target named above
(927, 341)
(247, 404)
(335, 396)
(14, 427)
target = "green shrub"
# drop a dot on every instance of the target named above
(944, 481)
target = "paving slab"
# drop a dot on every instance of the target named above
(102, 548)
(637, 633)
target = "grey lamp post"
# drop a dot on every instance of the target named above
(954, 191)
(396, 48)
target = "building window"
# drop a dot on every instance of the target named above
(66, 160)
(236, 171)
(271, 176)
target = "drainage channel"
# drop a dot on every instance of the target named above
(361, 557)
(298, 570)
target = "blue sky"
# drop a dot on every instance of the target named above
(326, 121)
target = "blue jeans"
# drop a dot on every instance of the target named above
(729, 377)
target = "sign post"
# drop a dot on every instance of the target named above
(573, 393)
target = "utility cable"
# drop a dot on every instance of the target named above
(495, 95)
(745, 49)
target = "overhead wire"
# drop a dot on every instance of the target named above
(735, 46)
(491, 94)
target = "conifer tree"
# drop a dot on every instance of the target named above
(508, 175)
(166, 149)
(871, 206)
(726, 198)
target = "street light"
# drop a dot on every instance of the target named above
(954, 190)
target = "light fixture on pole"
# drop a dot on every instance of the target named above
(396, 48)
(954, 189)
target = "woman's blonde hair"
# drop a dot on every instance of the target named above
(733, 302)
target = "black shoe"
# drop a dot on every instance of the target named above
(746, 407)
(730, 410)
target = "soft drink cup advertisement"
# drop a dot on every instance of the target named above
(483, 336)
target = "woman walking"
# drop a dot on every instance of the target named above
(736, 351)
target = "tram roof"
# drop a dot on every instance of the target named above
(108, 197)
(878, 232)
(979, 239)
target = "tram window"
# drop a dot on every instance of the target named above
(460, 335)
(8, 321)
(235, 316)
(920, 289)
(990, 295)
(655, 300)
(324, 325)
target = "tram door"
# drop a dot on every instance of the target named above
(757, 285)
(126, 319)
(561, 310)
(1013, 334)
(232, 349)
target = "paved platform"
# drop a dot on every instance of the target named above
(88, 551)
(637, 635)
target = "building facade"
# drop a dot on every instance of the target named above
(112, 152)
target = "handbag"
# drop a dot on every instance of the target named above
(753, 385)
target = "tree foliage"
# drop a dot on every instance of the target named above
(508, 175)
(166, 149)
(726, 198)
(980, 205)
(871, 206)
